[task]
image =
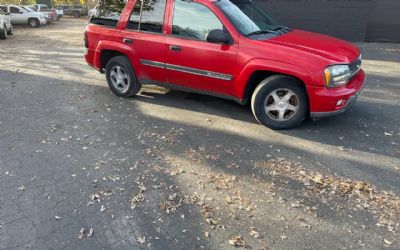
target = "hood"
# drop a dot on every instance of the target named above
(328, 47)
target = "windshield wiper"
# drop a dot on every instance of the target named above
(258, 32)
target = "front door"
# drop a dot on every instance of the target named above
(17, 16)
(145, 35)
(192, 62)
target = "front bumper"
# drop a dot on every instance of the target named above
(325, 102)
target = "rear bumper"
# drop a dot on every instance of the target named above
(328, 102)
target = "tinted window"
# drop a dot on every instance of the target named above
(152, 18)
(3, 8)
(193, 20)
(14, 10)
(1, 12)
(108, 12)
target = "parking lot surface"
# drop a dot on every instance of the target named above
(81, 168)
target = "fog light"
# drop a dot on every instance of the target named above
(340, 102)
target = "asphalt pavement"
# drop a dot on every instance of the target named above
(81, 168)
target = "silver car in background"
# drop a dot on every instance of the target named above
(21, 16)
(6, 27)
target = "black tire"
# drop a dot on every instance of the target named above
(3, 33)
(133, 85)
(278, 87)
(33, 23)
(11, 31)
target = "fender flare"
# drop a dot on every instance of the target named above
(113, 46)
(278, 67)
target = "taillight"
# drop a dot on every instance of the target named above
(86, 39)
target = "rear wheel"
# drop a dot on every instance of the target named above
(34, 23)
(279, 102)
(121, 78)
(3, 33)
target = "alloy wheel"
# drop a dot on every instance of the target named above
(281, 104)
(119, 78)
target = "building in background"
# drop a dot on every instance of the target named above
(353, 20)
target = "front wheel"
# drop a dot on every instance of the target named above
(34, 23)
(280, 102)
(121, 78)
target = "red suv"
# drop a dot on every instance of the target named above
(229, 49)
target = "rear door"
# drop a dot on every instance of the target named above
(144, 33)
(192, 62)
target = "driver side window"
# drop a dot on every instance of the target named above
(193, 20)
(14, 10)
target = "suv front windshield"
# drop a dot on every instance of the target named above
(247, 17)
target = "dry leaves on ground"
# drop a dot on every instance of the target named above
(365, 195)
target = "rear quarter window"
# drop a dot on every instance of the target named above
(108, 12)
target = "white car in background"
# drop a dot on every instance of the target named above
(21, 16)
(6, 27)
(46, 15)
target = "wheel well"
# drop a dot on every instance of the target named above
(260, 75)
(106, 55)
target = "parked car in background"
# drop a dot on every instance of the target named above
(46, 15)
(6, 27)
(60, 14)
(43, 8)
(75, 11)
(91, 12)
(20, 16)
(229, 49)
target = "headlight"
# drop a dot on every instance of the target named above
(337, 75)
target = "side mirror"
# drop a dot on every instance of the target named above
(217, 36)
(20, 12)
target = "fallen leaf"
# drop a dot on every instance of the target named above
(90, 234)
(81, 233)
(141, 240)
(387, 242)
(255, 234)
(237, 241)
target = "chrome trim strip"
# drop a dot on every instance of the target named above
(153, 64)
(188, 70)
(199, 72)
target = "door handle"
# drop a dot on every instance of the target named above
(127, 40)
(175, 48)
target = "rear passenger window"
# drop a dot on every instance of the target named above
(108, 12)
(150, 17)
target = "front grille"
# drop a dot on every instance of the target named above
(355, 66)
